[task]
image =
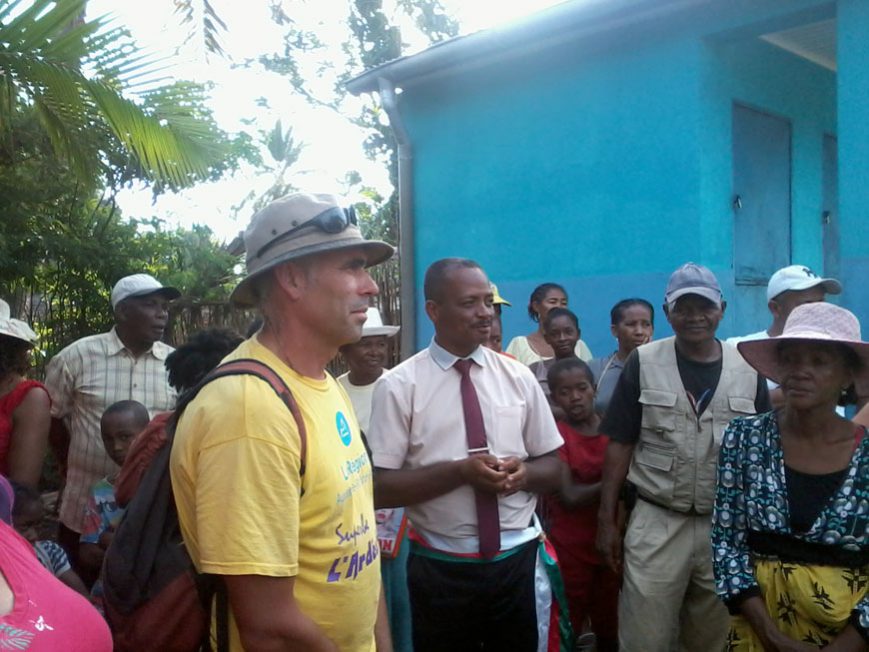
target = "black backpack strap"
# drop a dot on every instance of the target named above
(251, 367)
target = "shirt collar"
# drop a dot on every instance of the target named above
(115, 346)
(444, 359)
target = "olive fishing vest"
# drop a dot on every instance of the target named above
(675, 460)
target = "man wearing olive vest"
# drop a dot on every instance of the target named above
(665, 423)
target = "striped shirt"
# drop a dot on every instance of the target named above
(83, 380)
(52, 556)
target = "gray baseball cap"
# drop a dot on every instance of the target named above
(296, 226)
(692, 278)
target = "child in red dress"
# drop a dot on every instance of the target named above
(592, 588)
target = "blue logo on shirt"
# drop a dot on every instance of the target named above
(343, 428)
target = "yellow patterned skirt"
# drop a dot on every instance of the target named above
(808, 603)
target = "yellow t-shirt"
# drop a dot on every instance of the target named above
(235, 475)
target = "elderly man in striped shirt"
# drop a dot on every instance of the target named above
(127, 363)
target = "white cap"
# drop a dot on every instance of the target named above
(16, 328)
(137, 285)
(799, 277)
(374, 325)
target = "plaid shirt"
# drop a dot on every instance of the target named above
(84, 379)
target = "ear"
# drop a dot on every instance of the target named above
(290, 279)
(614, 330)
(431, 309)
(723, 307)
(774, 308)
(120, 312)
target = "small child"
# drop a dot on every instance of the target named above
(592, 588)
(27, 514)
(120, 423)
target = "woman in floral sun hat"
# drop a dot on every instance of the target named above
(791, 522)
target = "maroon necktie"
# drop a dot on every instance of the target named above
(488, 522)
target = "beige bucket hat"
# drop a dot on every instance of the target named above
(299, 225)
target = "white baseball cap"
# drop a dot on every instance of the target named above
(799, 277)
(374, 325)
(138, 285)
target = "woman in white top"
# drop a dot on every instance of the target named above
(532, 348)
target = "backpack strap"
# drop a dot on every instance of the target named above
(250, 367)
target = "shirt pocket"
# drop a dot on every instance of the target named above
(506, 438)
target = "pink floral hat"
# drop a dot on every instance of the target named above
(810, 322)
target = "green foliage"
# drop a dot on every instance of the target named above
(372, 39)
(95, 95)
(70, 139)
(284, 151)
(204, 23)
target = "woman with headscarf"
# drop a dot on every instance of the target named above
(790, 530)
(25, 416)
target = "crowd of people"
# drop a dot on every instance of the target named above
(677, 493)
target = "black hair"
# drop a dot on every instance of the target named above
(563, 366)
(254, 326)
(436, 275)
(555, 313)
(14, 356)
(24, 496)
(617, 314)
(855, 366)
(189, 363)
(135, 409)
(539, 294)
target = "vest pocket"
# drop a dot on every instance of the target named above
(659, 415)
(654, 456)
(742, 405)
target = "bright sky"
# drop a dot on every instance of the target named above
(333, 146)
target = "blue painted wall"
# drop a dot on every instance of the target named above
(605, 164)
(853, 71)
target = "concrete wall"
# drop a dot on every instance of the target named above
(603, 165)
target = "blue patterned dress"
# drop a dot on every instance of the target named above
(751, 503)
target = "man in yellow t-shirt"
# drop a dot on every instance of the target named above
(298, 552)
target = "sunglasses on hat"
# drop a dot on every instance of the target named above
(333, 220)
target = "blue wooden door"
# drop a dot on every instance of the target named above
(761, 213)
(830, 208)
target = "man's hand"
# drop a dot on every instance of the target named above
(482, 472)
(517, 475)
(609, 545)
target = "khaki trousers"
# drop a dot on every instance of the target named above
(668, 599)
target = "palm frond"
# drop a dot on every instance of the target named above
(83, 77)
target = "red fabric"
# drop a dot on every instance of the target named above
(48, 615)
(574, 530)
(142, 450)
(488, 521)
(8, 404)
(592, 593)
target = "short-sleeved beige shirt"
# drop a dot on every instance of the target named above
(417, 421)
(84, 379)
